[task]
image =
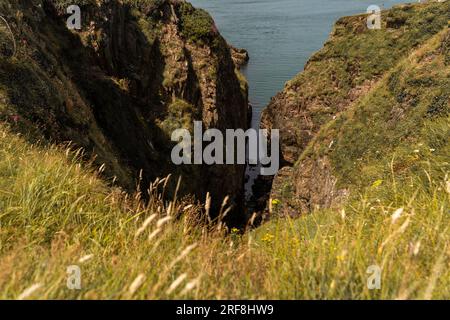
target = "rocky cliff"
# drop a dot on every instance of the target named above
(366, 98)
(118, 87)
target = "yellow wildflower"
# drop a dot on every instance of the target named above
(267, 238)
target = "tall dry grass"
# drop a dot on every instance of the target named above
(55, 213)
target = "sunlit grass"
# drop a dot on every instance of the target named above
(55, 213)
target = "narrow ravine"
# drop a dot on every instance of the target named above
(280, 36)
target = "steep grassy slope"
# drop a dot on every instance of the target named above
(401, 123)
(56, 212)
(118, 87)
(346, 68)
(387, 153)
(318, 117)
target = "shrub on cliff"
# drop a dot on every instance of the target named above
(196, 24)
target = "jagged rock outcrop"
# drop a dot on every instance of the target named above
(240, 56)
(118, 87)
(326, 148)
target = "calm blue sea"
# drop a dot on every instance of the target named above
(280, 35)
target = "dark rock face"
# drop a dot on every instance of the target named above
(119, 86)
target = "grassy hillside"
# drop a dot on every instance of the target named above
(389, 149)
(404, 121)
(55, 212)
(352, 60)
(400, 124)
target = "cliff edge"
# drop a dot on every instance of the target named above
(367, 101)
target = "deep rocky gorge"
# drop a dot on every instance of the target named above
(137, 70)
(118, 87)
(86, 118)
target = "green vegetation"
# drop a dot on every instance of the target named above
(196, 24)
(390, 148)
(55, 212)
(355, 56)
(243, 83)
(64, 4)
(325, 255)
(401, 123)
(180, 115)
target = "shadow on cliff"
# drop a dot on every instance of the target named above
(68, 91)
(54, 55)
